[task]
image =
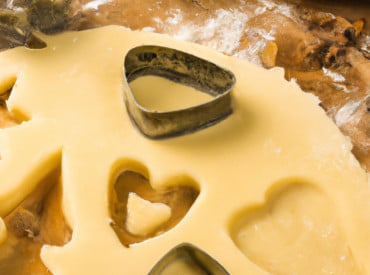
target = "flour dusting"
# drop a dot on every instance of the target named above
(345, 114)
(224, 29)
(94, 5)
(333, 75)
(257, 40)
(148, 29)
(365, 44)
(344, 88)
(175, 16)
(221, 32)
(280, 8)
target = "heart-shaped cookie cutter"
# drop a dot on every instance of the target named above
(183, 68)
(191, 256)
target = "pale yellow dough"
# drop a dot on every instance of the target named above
(143, 216)
(256, 169)
(165, 95)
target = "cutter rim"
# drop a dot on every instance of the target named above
(172, 64)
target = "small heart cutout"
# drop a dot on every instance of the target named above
(296, 231)
(133, 203)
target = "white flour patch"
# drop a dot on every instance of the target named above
(268, 4)
(344, 88)
(222, 32)
(338, 80)
(158, 21)
(260, 10)
(333, 75)
(10, 5)
(94, 5)
(225, 28)
(175, 16)
(280, 8)
(148, 29)
(345, 114)
(258, 33)
(365, 44)
(251, 53)
(257, 39)
(284, 9)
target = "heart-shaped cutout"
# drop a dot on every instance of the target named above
(179, 197)
(296, 231)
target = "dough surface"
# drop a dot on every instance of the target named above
(70, 97)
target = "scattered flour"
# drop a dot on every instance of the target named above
(10, 5)
(148, 29)
(344, 88)
(280, 8)
(250, 53)
(175, 16)
(158, 21)
(225, 28)
(333, 75)
(365, 45)
(345, 114)
(257, 39)
(94, 5)
(260, 10)
(339, 80)
(221, 32)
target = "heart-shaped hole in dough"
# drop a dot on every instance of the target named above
(296, 231)
(127, 215)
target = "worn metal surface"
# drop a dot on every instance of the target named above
(200, 262)
(185, 69)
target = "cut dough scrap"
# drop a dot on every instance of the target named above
(143, 217)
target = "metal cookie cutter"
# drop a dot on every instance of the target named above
(185, 69)
(187, 255)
